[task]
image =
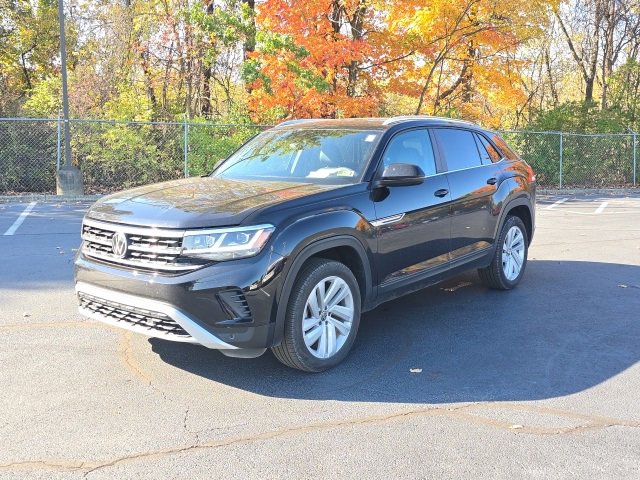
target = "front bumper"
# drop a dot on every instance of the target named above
(143, 315)
(228, 306)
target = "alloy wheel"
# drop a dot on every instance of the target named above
(513, 251)
(328, 317)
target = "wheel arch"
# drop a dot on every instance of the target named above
(520, 207)
(343, 248)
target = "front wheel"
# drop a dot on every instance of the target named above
(322, 317)
(510, 258)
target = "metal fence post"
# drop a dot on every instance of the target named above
(634, 158)
(561, 141)
(186, 148)
(58, 144)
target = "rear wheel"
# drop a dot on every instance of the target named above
(510, 258)
(322, 317)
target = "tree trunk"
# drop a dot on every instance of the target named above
(467, 77)
(608, 54)
(552, 83)
(148, 81)
(206, 91)
(205, 101)
(249, 44)
(356, 22)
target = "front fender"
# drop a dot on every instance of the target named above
(311, 235)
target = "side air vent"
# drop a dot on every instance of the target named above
(235, 305)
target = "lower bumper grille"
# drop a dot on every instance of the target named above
(154, 322)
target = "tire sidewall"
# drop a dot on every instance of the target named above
(301, 290)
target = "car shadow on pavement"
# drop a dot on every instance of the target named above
(569, 326)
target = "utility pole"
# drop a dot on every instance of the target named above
(68, 178)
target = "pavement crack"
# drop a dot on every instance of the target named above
(126, 354)
(184, 420)
(461, 412)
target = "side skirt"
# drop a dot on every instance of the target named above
(398, 288)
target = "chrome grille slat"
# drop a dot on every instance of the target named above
(142, 248)
(96, 239)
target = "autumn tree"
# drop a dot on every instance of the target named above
(463, 60)
(313, 59)
(29, 43)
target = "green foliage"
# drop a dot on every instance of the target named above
(625, 91)
(225, 24)
(306, 78)
(128, 104)
(277, 44)
(252, 71)
(581, 118)
(113, 156)
(210, 144)
(272, 43)
(541, 151)
(117, 156)
(45, 99)
(590, 157)
(27, 156)
(29, 45)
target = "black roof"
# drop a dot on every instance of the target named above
(374, 123)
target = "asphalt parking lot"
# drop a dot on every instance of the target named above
(452, 381)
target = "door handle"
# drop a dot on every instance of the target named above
(441, 193)
(492, 181)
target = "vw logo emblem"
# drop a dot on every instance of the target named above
(119, 244)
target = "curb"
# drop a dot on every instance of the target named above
(48, 198)
(589, 191)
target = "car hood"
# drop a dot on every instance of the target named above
(196, 202)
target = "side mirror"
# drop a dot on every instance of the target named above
(401, 174)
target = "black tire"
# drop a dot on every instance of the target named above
(293, 351)
(494, 276)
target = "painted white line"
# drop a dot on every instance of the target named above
(12, 229)
(601, 208)
(554, 205)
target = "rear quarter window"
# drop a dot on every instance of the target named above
(504, 148)
(488, 152)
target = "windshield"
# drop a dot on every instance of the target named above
(303, 155)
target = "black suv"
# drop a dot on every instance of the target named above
(302, 229)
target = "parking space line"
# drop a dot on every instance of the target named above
(12, 229)
(601, 208)
(555, 204)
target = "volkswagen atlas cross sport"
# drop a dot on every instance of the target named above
(304, 228)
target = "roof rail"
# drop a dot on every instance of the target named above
(401, 118)
(294, 122)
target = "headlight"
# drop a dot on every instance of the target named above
(226, 243)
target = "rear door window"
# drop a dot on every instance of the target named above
(412, 147)
(458, 147)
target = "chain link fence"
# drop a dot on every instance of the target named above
(112, 155)
(576, 160)
(28, 153)
(117, 155)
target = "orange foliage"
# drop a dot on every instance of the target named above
(337, 58)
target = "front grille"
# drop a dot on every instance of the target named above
(146, 248)
(153, 321)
